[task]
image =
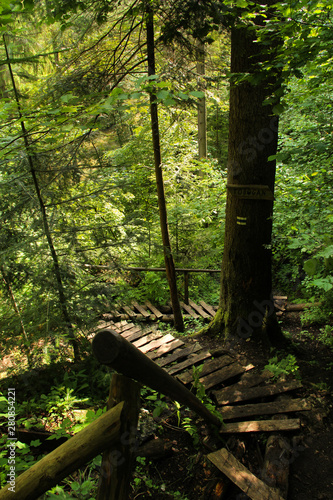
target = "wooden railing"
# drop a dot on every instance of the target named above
(114, 433)
(185, 271)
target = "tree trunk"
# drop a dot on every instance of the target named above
(57, 271)
(16, 308)
(168, 258)
(202, 118)
(246, 305)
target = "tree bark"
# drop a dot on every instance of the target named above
(202, 117)
(246, 305)
(168, 258)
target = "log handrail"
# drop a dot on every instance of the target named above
(113, 350)
(68, 457)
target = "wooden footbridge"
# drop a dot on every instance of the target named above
(240, 393)
(191, 310)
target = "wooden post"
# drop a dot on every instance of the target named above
(117, 461)
(70, 456)
(113, 350)
(186, 294)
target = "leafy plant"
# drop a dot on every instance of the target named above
(284, 366)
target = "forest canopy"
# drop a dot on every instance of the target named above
(77, 163)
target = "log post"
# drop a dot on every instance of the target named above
(111, 349)
(186, 293)
(275, 471)
(117, 461)
(67, 458)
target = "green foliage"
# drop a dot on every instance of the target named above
(284, 366)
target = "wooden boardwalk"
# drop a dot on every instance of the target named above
(239, 393)
(192, 310)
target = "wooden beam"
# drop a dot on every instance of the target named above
(141, 309)
(179, 354)
(116, 475)
(146, 339)
(242, 477)
(191, 361)
(242, 411)
(67, 458)
(223, 374)
(164, 349)
(208, 308)
(208, 367)
(153, 309)
(113, 350)
(155, 344)
(245, 394)
(130, 312)
(261, 426)
(189, 310)
(199, 309)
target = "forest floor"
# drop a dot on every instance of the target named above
(188, 471)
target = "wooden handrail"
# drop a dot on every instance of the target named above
(156, 269)
(115, 351)
(68, 457)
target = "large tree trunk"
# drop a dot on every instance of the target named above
(168, 258)
(246, 306)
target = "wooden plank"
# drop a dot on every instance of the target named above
(225, 373)
(141, 309)
(253, 379)
(207, 307)
(146, 339)
(126, 326)
(198, 309)
(155, 344)
(130, 332)
(153, 309)
(130, 312)
(208, 367)
(188, 362)
(261, 426)
(242, 411)
(245, 393)
(135, 335)
(189, 310)
(179, 354)
(242, 477)
(164, 349)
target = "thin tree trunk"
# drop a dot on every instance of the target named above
(57, 271)
(17, 312)
(168, 258)
(202, 118)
